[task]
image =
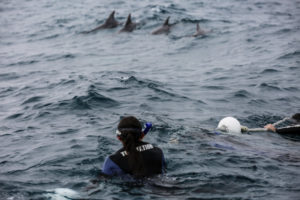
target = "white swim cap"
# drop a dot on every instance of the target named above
(229, 125)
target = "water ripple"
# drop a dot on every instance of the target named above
(93, 99)
(294, 54)
(63, 93)
(266, 86)
(32, 100)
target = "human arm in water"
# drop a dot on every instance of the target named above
(270, 127)
(288, 129)
(293, 129)
(110, 168)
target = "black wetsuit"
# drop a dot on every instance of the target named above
(153, 161)
(289, 129)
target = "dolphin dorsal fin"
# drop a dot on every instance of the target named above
(198, 27)
(128, 20)
(167, 22)
(111, 17)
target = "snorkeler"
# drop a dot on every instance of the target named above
(294, 128)
(232, 126)
(136, 158)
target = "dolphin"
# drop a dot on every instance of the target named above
(199, 32)
(165, 28)
(129, 26)
(110, 22)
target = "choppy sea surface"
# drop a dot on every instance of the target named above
(62, 94)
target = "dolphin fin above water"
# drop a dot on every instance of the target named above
(165, 28)
(198, 27)
(199, 32)
(109, 23)
(166, 23)
(129, 25)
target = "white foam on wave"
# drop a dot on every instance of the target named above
(62, 194)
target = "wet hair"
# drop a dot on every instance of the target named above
(296, 117)
(131, 130)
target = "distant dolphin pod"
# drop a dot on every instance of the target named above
(164, 29)
(110, 22)
(129, 25)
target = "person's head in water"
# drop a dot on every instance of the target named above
(129, 127)
(296, 117)
(130, 133)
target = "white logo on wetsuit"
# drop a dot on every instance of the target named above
(139, 148)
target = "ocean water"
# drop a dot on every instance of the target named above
(63, 92)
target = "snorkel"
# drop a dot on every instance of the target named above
(148, 126)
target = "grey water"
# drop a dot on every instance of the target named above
(62, 94)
